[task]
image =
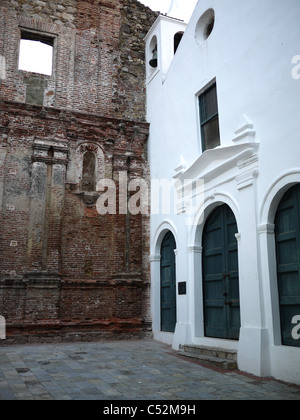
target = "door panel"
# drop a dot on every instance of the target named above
(287, 233)
(168, 284)
(220, 275)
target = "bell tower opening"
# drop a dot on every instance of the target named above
(153, 53)
(177, 40)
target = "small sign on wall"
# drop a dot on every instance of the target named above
(182, 288)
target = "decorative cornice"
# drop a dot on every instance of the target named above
(245, 133)
(43, 280)
(154, 258)
(49, 161)
(216, 162)
(247, 179)
(195, 249)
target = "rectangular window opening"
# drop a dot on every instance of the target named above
(209, 117)
(36, 53)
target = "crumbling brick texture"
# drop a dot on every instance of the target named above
(67, 272)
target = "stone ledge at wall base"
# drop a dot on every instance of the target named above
(41, 315)
(52, 337)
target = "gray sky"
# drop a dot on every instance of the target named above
(181, 9)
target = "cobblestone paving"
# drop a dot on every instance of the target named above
(130, 370)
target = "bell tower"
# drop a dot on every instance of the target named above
(162, 42)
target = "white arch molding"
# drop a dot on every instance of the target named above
(275, 193)
(268, 264)
(159, 235)
(211, 202)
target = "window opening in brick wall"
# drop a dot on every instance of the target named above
(89, 172)
(36, 53)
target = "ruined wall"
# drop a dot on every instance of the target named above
(98, 52)
(67, 272)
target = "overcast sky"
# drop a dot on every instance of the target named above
(181, 9)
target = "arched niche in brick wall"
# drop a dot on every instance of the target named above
(88, 182)
(90, 166)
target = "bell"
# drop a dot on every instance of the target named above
(153, 61)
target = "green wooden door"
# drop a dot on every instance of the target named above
(168, 284)
(221, 276)
(287, 234)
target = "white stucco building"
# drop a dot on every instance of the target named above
(225, 109)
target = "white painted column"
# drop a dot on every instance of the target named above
(196, 291)
(155, 292)
(269, 281)
(183, 332)
(253, 334)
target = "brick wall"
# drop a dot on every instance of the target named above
(67, 272)
(98, 53)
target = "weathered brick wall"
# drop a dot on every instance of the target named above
(98, 53)
(74, 272)
(67, 272)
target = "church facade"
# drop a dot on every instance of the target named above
(217, 142)
(223, 108)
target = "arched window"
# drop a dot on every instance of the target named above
(153, 53)
(177, 40)
(89, 172)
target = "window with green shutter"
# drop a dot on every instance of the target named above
(209, 118)
(287, 234)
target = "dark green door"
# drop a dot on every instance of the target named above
(287, 233)
(168, 284)
(221, 275)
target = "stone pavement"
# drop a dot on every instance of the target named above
(125, 370)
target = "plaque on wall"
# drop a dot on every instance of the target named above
(182, 288)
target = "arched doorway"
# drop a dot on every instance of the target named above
(221, 275)
(168, 284)
(287, 234)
